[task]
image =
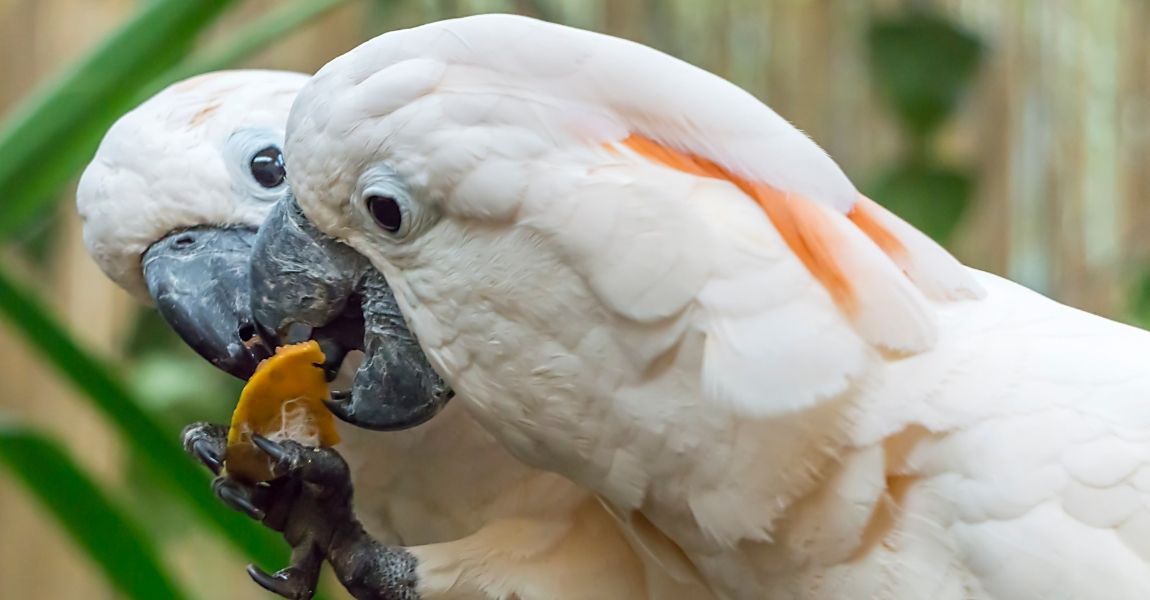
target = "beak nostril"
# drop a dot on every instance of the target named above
(185, 241)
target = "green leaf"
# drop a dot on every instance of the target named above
(931, 198)
(112, 540)
(43, 149)
(255, 37)
(144, 437)
(1138, 307)
(56, 130)
(922, 64)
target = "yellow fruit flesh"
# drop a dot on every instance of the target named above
(282, 401)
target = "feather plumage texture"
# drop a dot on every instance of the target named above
(483, 524)
(165, 166)
(643, 324)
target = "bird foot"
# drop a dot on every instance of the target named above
(309, 502)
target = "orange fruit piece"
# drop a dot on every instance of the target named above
(283, 400)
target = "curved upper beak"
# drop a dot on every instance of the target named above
(198, 279)
(304, 283)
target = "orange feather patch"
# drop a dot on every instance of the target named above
(800, 222)
(864, 216)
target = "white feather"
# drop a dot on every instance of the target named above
(673, 350)
(486, 525)
(169, 165)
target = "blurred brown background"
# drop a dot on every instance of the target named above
(1053, 130)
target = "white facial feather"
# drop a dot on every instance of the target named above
(180, 160)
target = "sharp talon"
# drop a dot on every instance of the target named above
(278, 583)
(236, 500)
(272, 449)
(338, 407)
(340, 395)
(204, 452)
(264, 579)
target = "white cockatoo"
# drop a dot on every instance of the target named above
(171, 203)
(637, 275)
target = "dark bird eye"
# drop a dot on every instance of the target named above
(268, 167)
(386, 212)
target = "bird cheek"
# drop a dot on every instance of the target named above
(491, 192)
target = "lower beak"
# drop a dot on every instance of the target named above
(198, 279)
(394, 387)
(303, 280)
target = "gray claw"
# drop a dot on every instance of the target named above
(236, 497)
(205, 442)
(288, 583)
(276, 451)
(203, 451)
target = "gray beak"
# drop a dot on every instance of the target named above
(198, 279)
(305, 284)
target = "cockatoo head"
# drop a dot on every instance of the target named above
(374, 184)
(171, 205)
(172, 200)
(414, 148)
(518, 181)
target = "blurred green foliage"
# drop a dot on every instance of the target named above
(43, 145)
(54, 133)
(1139, 299)
(931, 197)
(97, 525)
(922, 65)
(166, 462)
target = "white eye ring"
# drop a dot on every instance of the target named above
(386, 200)
(241, 149)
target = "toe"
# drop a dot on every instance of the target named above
(206, 443)
(238, 496)
(207, 454)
